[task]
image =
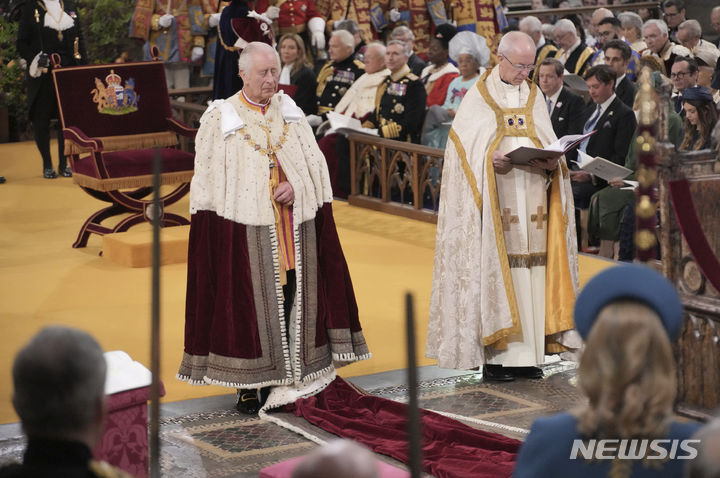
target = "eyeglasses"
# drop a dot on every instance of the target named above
(518, 66)
(671, 14)
(679, 75)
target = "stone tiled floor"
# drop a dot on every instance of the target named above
(208, 438)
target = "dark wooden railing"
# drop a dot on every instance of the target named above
(395, 177)
(189, 109)
(630, 7)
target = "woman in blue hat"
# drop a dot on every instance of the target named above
(700, 118)
(627, 316)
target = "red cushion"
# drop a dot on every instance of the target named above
(136, 162)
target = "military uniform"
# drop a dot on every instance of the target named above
(51, 35)
(46, 458)
(294, 14)
(400, 106)
(334, 80)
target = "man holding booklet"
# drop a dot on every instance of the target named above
(614, 123)
(505, 272)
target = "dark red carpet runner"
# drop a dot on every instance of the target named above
(450, 448)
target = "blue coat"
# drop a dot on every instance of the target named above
(546, 453)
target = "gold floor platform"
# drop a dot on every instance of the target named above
(45, 281)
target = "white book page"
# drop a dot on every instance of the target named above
(124, 373)
(340, 122)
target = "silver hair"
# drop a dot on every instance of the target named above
(631, 19)
(707, 462)
(349, 25)
(692, 27)
(533, 24)
(565, 26)
(508, 42)
(548, 31)
(404, 46)
(377, 45)
(661, 25)
(402, 31)
(250, 50)
(338, 458)
(59, 381)
(345, 37)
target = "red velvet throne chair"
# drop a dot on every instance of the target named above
(114, 118)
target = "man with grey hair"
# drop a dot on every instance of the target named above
(405, 35)
(269, 298)
(358, 102)
(401, 108)
(631, 27)
(353, 27)
(574, 54)
(59, 395)
(532, 26)
(500, 225)
(655, 34)
(337, 76)
(715, 22)
(689, 35)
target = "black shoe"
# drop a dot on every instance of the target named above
(527, 372)
(264, 394)
(49, 173)
(2, 179)
(248, 402)
(496, 373)
(65, 172)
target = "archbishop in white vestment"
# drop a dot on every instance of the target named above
(505, 273)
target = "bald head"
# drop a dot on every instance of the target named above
(516, 57)
(715, 19)
(516, 42)
(339, 458)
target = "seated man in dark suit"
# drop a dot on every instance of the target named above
(565, 107)
(59, 395)
(615, 124)
(618, 55)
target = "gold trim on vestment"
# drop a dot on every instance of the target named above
(586, 53)
(545, 53)
(526, 261)
(467, 170)
(502, 129)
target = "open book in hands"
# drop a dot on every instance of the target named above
(601, 167)
(524, 154)
(342, 123)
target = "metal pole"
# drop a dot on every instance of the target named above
(414, 425)
(154, 439)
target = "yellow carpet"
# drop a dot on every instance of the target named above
(45, 281)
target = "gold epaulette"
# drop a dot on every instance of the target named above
(322, 78)
(412, 76)
(359, 64)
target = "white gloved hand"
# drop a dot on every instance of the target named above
(257, 16)
(394, 15)
(166, 20)
(214, 20)
(318, 40)
(272, 12)
(313, 120)
(197, 53)
(35, 71)
(316, 25)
